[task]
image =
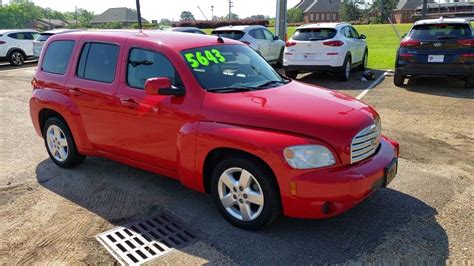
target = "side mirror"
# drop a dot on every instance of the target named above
(363, 37)
(275, 38)
(162, 86)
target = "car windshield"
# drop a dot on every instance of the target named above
(229, 68)
(431, 32)
(314, 34)
(231, 34)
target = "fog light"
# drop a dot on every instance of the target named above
(325, 208)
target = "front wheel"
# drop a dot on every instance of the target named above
(346, 70)
(60, 144)
(245, 193)
(279, 63)
(365, 60)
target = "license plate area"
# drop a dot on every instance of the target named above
(435, 58)
(390, 171)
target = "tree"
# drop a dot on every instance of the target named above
(350, 12)
(165, 22)
(18, 15)
(388, 7)
(187, 16)
(295, 15)
(257, 17)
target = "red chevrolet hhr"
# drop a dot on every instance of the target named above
(212, 113)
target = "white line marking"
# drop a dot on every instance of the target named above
(375, 83)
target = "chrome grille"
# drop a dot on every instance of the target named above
(366, 142)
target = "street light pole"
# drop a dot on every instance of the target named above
(139, 15)
(425, 9)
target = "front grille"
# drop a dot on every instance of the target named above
(366, 142)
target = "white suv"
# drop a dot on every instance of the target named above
(16, 46)
(335, 47)
(258, 38)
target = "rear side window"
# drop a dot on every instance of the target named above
(43, 37)
(432, 32)
(257, 34)
(231, 34)
(314, 34)
(57, 56)
(98, 62)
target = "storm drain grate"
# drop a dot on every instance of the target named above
(143, 241)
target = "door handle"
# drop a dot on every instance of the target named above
(75, 92)
(131, 103)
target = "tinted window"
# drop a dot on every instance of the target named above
(268, 34)
(440, 31)
(43, 37)
(98, 62)
(143, 64)
(354, 32)
(314, 34)
(57, 56)
(257, 34)
(19, 35)
(231, 34)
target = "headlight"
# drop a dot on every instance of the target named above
(308, 156)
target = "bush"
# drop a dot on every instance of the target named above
(212, 24)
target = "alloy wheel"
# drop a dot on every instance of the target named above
(240, 194)
(17, 58)
(57, 143)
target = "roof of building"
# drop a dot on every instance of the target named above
(117, 14)
(410, 4)
(54, 22)
(323, 6)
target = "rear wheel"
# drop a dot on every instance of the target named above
(398, 79)
(469, 83)
(245, 192)
(60, 144)
(17, 58)
(291, 74)
(346, 70)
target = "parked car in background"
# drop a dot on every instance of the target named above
(187, 30)
(334, 47)
(258, 38)
(213, 115)
(437, 47)
(43, 37)
(16, 46)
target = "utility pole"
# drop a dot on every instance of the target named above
(139, 15)
(212, 12)
(425, 9)
(231, 4)
(280, 20)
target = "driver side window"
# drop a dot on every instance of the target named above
(144, 64)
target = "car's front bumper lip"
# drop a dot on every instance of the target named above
(341, 187)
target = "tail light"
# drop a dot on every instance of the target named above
(467, 42)
(2, 42)
(334, 43)
(407, 55)
(468, 55)
(289, 44)
(409, 42)
(246, 42)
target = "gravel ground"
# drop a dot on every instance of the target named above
(50, 215)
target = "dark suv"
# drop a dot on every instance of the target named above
(437, 47)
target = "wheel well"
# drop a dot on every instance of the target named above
(15, 49)
(45, 114)
(216, 155)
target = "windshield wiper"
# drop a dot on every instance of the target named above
(231, 89)
(269, 83)
(139, 63)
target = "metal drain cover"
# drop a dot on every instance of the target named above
(143, 241)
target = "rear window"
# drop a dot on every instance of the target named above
(57, 56)
(314, 34)
(43, 37)
(231, 34)
(98, 62)
(440, 31)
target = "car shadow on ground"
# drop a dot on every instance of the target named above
(440, 86)
(388, 226)
(7, 66)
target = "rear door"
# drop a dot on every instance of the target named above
(23, 40)
(443, 43)
(93, 86)
(274, 45)
(359, 43)
(352, 43)
(309, 45)
(263, 45)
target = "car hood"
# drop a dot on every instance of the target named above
(298, 108)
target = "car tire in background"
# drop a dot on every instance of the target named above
(17, 58)
(245, 192)
(345, 73)
(469, 83)
(398, 80)
(279, 63)
(291, 74)
(365, 60)
(60, 144)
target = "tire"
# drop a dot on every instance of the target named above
(469, 83)
(291, 74)
(345, 74)
(279, 63)
(398, 80)
(16, 58)
(365, 59)
(60, 144)
(239, 211)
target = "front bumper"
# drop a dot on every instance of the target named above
(328, 192)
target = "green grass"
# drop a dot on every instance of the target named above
(381, 40)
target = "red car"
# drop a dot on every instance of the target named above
(212, 113)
